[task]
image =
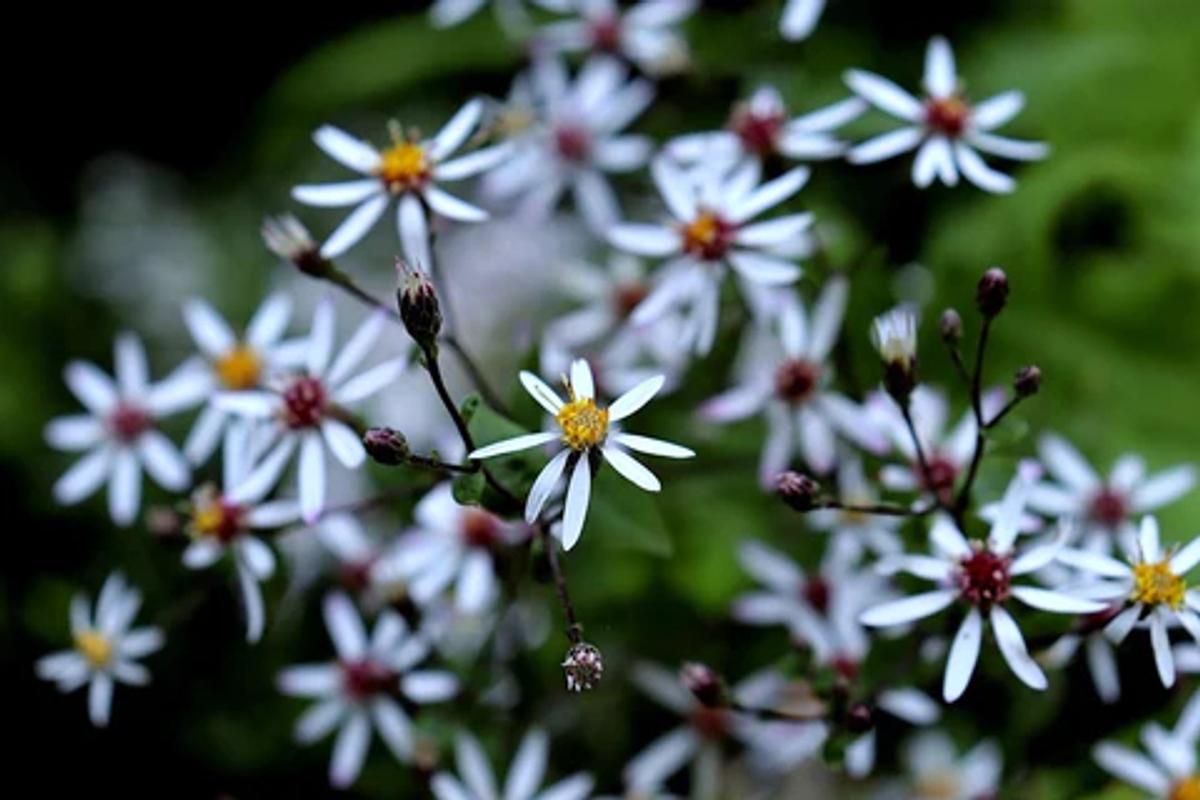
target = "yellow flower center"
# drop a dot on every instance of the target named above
(1186, 789)
(708, 236)
(583, 424)
(404, 165)
(1156, 584)
(213, 516)
(240, 368)
(938, 786)
(94, 647)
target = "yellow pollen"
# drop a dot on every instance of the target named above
(240, 368)
(1186, 789)
(207, 519)
(702, 232)
(583, 424)
(1156, 584)
(94, 647)
(404, 166)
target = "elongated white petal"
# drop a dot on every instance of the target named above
(645, 240)
(394, 727)
(132, 372)
(940, 77)
(100, 699)
(1014, 149)
(124, 487)
(1163, 488)
(654, 447)
(252, 602)
(1133, 768)
(84, 477)
(356, 225)
(633, 400)
(209, 330)
(528, 766)
(631, 469)
(769, 194)
(350, 749)
(473, 766)
(774, 232)
(163, 461)
(414, 231)
(544, 485)
(1148, 540)
(1160, 643)
(538, 389)
(336, 195)
(366, 384)
(91, 386)
(997, 110)
(964, 655)
(429, 686)
(582, 384)
(979, 173)
(909, 609)
(473, 163)
(455, 132)
(1188, 557)
(451, 207)
(579, 492)
(885, 95)
(346, 149)
(513, 445)
(675, 187)
(764, 269)
(1120, 625)
(885, 146)
(345, 626)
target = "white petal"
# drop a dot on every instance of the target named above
(931, 161)
(544, 485)
(1014, 149)
(630, 402)
(451, 207)
(473, 163)
(909, 609)
(1012, 647)
(582, 385)
(910, 705)
(100, 699)
(1163, 488)
(770, 194)
(473, 766)
(1132, 767)
(885, 146)
(1066, 464)
(800, 18)
(350, 749)
(1094, 562)
(202, 554)
(654, 447)
(735, 404)
(774, 232)
(132, 374)
(964, 654)
(262, 478)
(528, 766)
(336, 195)
(319, 720)
(346, 149)
(141, 642)
(631, 469)
(1188, 557)
(827, 317)
(979, 173)
(355, 226)
(1057, 602)
(650, 768)
(394, 728)
(476, 586)
(270, 321)
(455, 132)
(575, 511)
(997, 110)
(1103, 666)
(345, 626)
(91, 386)
(537, 388)
(645, 240)
(675, 187)
(368, 383)
(320, 338)
(252, 601)
(764, 269)
(1148, 539)
(209, 331)
(770, 567)
(258, 557)
(513, 445)
(947, 539)
(885, 95)
(344, 443)
(1119, 627)
(124, 487)
(1161, 644)
(84, 477)
(940, 76)
(74, 433)
(312, 476)
(429, 686)
(163, 461)
(310, 680)
(414, 232)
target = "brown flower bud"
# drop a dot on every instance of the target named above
(1027, 381)
(797, 490)
(386, 446)
(286, 237)
(992, 292)
(583, 667)
(950, 325)
(859, 718)
(704, 684)
(418, 303)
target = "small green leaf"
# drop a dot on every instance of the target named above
(623, 516)
(468, 488)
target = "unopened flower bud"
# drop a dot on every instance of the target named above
(704, 684)
(386, 446)
(419, 307)
(583, 666)
(1027, 381)
(992, 292)
(894, 335)
(163, 521)
(797, 490)
(286, 237)
(859, 718)
(951, 326)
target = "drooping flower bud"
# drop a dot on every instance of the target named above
(583, 667)
(859, 718)
(418, 303)
(1027, 381)
(797, 490)
(894, 335)
(950, 325)
(704, 683)
(991, 294)
(286, 237)
(386, 446)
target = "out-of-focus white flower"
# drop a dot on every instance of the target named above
(1170, 770)
(362, 561)
(760, 128)
(476, 781)
(409, 170)
(710, 230)
(948, 131)
(800, 18)
(647, 34)
(222, 521)
(237, 363)
(783, 374)
(979, 575)
(575, 142)
(1154, 588)
(906, 704)
(1104, 506)
(356, 693)
(894, 336)
(448, 13)
(307, 409)
(119, 433)
(853, 533)
(936, 770)
(105, 649)
(1098, 651)
(583, 429)
(452, 545)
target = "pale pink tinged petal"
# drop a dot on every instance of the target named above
(344, 443)
(773, 232)
(1148, 539)
(940, 77)
(1188, 557)
(1013, 149)
(1163, 488)
(885, 95)
(429, 686)
(337, 195)
(800, 18)
(124, 487)
(1160, 642)
(394, 728)
(770, 194)
(653, 447)
(764, 269)
(964, 655)
(1066, 464)
(631, 469)
(947, 539)
(209, 330)
(675, 187)
(473, 766)
(909, 609)
(84, 477)
(455, 132)
(827, 317)
(650, 768)
(979, 173)
(252, 605)
(770, 567)
(541, 392)
(513, 445)
(312, 476)
(1056, 602)
(579, 492)
(1133, 768)
(582, 384)
(131, 369)
(997, 110)
(91, 386)
(544, 485)
(595, 200)
(930, 161)
(1102, 664)
(163, 461)
(348, 150)
(473, 163)
(633, 400)
(1119, 627)
(202, 554)
(356, 225)
(817, 440)
(1052, 500)
(447, 205)
(885, 146)
(345, 626)
(528, 766)
(100, 699)
(735, 404)
(350, 749)
(320, 338)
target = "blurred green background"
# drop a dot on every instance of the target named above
(146, 181)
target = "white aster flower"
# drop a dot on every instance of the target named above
(1170, 770)
(105, 648)
(646, 34)
(936, 770)
(575, 142)
(760, 128)
(979, 577)
(1097, 650)
(585, 430)
(363, 561)
(448, 13)
(452, 545)
(1105, 506)
(783, 374)
(905, 704)
(854, 533)
(120, 431)
(800, 18)
(1153, 585)
(476, 781)
(307, 409)
(710, 230)
(236, 363)
(947, 130)
(223, 522)
(409, 170)
(357, 692)
(894, 336)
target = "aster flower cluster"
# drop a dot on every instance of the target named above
(889, 605)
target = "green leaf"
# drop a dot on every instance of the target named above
(468, 488)
(623, 516)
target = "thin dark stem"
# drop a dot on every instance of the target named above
(1002, 413)
(964, 495)
(959, 366)
(879, 509)
(922, 461)
(437, 465)
(573, 629)
(485, 390)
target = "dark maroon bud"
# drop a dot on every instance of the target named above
(418, 303)
(704, 684)
(386, 446)
(859, 718)
(797, 490)
(1027, 381)
(992, 292)
(286, 237)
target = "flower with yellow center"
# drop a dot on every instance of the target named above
(1155, 584)
(708, 236)
(583, 427)
(1186, 789)
(94, 647)
(404, 166)
(239, 368)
